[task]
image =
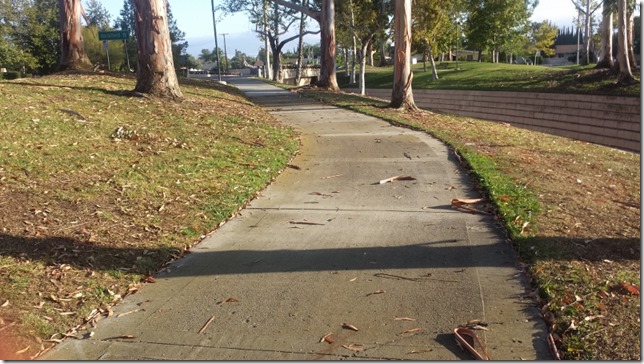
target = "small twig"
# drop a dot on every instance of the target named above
(205, 326)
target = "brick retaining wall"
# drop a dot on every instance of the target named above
(613, 121)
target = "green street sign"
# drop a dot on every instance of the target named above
(113, 35)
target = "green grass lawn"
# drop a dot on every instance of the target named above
(502, 77)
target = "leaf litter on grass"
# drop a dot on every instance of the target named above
(90, 209)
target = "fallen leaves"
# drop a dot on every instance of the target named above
(354, 347)
(327, 339)
(461, 204)
(205, 326)
(229, 299)
(349, 327)
(411, 332)
(631, 289)
(395, 178)
(376, 292)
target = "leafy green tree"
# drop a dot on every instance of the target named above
(543, 38)
(37, 33)
(435, 27)
(12, 57)
(492, 24)
(97, 15)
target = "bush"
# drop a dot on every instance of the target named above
(11, 75)
(27, 75)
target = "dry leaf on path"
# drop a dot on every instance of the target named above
(23, 350)
(6, 303)
(395, 178)
(466, 201)
(205, 326)
(354, 347)
(304, 223)
(229, 299)
(328, 339)
(376, 292)
(404, 319)
(412, 331)
(149, 279)
(349, 327)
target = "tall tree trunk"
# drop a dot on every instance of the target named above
(370, 52)
(328, 46)
(73, 54)
(267, 56)
(346, 62)
(155, 73)
(587, 33)
(383, 54)
(625, 73)
(631, 41)
(300, 46)
(352, 73)
(402, 95)
(431, 61)
(363, 64)
(606, 60)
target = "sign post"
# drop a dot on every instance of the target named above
(114, 35)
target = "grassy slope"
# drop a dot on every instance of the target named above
(503, 77)
(98, 189)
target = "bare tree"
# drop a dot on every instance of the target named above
(401, 95)
(73, 54)
(155, 72)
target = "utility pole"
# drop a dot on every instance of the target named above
(214, 25)
(225, 52)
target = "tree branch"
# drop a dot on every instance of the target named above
(282, 43)
(307, 11)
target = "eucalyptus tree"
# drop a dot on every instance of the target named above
(586, 9)
(73, 54)
(606, 57)
(401, 95)
(155, 67)
(324, 13)
(625, 71)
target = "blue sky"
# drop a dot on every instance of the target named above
(194, 17)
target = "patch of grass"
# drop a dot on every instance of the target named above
(504, 77)
(572, 211)
(99, 188)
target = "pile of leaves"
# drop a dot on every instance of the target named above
(572, 210)
(100, 188)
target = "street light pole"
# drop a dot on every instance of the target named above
(225, 51)
(214, 26)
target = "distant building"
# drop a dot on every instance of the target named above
(565, 48)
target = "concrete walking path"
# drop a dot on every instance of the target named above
(324, 246)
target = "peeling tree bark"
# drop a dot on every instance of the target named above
(401, 95)
(73, 56)
(155, 73)
(607, 42)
